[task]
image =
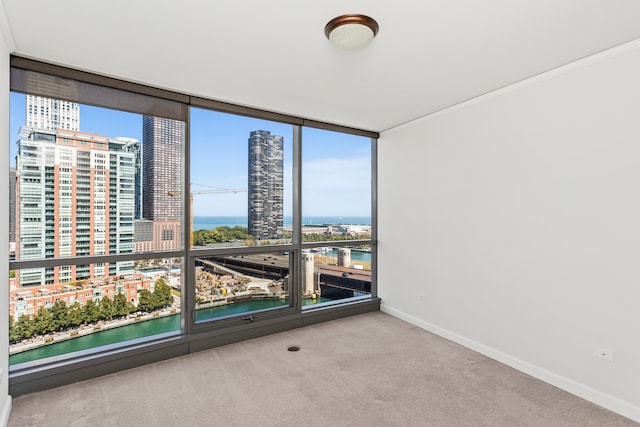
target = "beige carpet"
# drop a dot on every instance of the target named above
(366, 370)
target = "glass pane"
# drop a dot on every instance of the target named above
(336, 186)
(60, 315)
(240, 180)
(335, 273)
(233, 285)
(92, 181)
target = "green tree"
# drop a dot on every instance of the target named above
(74, 314)
(121, 306)
(238, 233)
(12, 330)
(91, 312)
(43, 322)
(145, 300)
(59, 315)
(161, 294)
(220, 235)
(321, 237)
(107, 308)
(23, 328)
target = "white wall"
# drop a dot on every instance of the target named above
(518, 216)
(5, 399)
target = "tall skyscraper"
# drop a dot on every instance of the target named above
(12, 205)
(266, 182)
(75, 194)
(133, 146)
(162, 189)
(47, 113)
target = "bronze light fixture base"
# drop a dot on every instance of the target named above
(351, 31)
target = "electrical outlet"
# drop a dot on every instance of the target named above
(424, 298)
(604, 353)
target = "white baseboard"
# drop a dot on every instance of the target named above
(611, 403)
(6, 411)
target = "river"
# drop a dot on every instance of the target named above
(143, 329)
(356, 254)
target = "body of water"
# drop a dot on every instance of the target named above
(172, 322)
(211, 222)
(245, 306)
(96, 339)
(356, 254)
(144, 329)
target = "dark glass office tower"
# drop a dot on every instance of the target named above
(162, 189)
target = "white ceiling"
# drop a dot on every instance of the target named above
(429, 54)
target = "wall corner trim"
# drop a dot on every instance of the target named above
(5, 28)
(609, 402)
(6, 411)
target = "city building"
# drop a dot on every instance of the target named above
(266, 182)
(133, 146)
(12, 207)
(51, 114)
(76, 197)
(144, 239)
(162, 189)
(27, 301)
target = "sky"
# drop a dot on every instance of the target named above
(336, 167)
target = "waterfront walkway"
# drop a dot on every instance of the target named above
(55, 337)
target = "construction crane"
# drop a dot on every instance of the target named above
(221, 190)
(214, 190)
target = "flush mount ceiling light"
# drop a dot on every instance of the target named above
(351, 32)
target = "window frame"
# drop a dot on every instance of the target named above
(42, 79)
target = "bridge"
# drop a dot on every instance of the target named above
(334, 281)
(262, 266)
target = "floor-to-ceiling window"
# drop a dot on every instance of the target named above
(97, 241)
(145, 219)
(241, 212)
(336, 215)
